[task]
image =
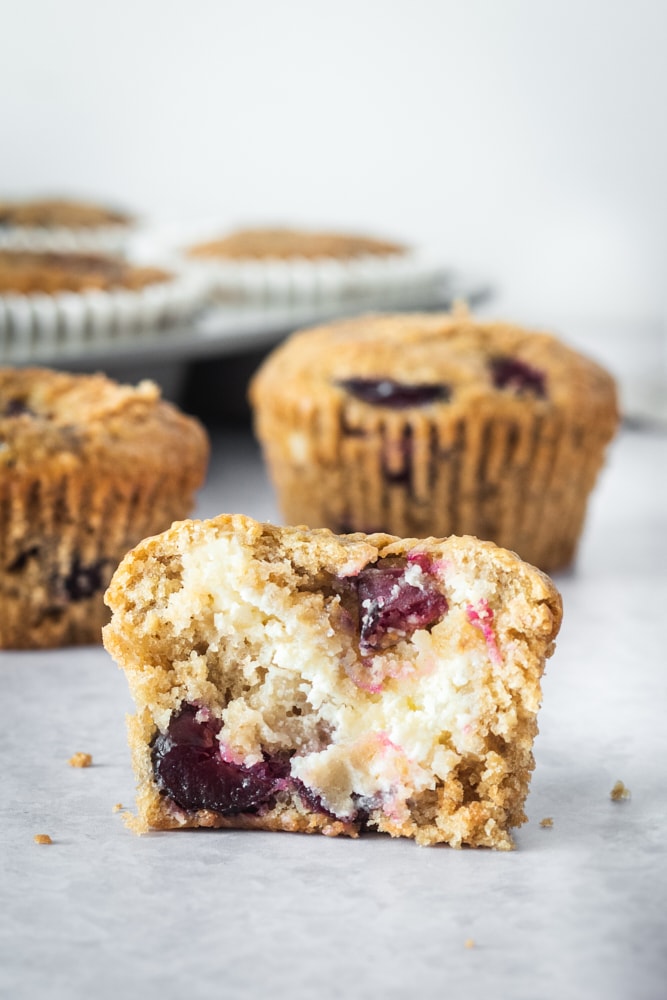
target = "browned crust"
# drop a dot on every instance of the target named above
(26, 272)
(59, 212)
(286, 244)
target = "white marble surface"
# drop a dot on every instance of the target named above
(579, 910)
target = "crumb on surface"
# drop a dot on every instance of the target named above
(118, 807)
(619, 792)
(42, 838)
(469, 943)
(80, 760)
(547, 822)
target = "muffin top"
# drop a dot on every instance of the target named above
(50, 213)
(54, 423)
(25, 272)
(285, 244)
(451, 362)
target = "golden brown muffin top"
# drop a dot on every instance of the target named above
(49, 213)
(25, 271)
(422, 361)
(285, 244)
(54, 423)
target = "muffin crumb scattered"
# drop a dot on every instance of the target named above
(80, 760)
(547, 822)
(619, 792)
(469, 943)
(42, 838)
(118, 807)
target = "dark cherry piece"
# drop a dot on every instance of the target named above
(188, 766)
(391, 608)
(83, 581)
(16, 408)
(510, 373)
(190, 769)
(398, 395)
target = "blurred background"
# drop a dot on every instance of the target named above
(523, 143)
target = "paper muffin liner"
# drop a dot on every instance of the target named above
(522, 483)
(60, 542)
(31, 323)
(61, 239)
(302, 280)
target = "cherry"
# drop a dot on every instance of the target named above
(510, 373)
(397, 395)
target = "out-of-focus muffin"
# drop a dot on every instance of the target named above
(64, 224)
(298, 265)
(423, 425)
(87, 469)
(50, 300)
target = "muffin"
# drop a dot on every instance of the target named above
(435, 425)
(87, 469)
(62, 224)
(50, 300)
(288, 679)
(295, 265)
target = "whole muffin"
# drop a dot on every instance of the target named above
(64, 224)
(423, 425)
(53, 300)
(298, 265)
(87, 469)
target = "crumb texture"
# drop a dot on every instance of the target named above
(80, 760)
(298, 680)
(619, 792)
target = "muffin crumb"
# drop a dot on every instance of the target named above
(547, 822)
(118, 807)
(80, 760)
(619, 792)
(469, 943)
(42, 838)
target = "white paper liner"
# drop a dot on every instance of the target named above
(302, 280)
(72, 321)
(85, 239)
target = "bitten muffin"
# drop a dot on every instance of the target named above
(286, 244)
(87, 469)
(288, 679)
(26, 272)
(436, 425)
